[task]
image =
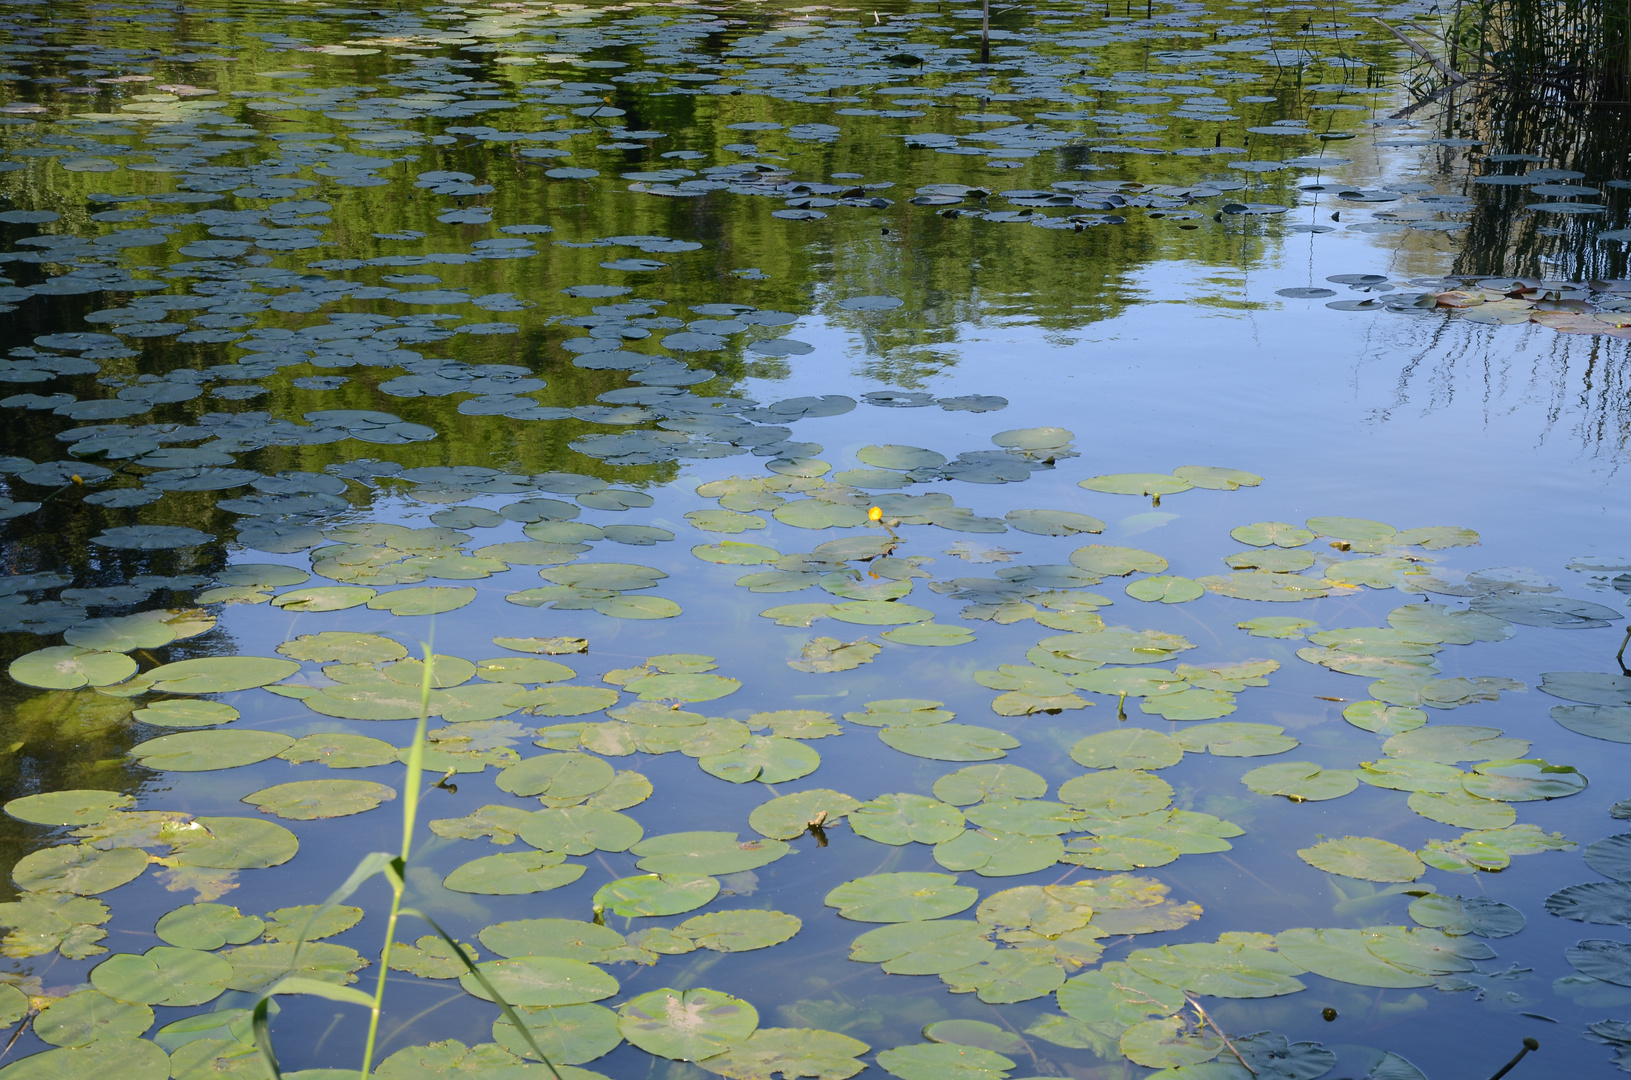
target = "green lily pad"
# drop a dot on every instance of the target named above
(792, 1052)
(147, 630)
(1137, 484)
(87, 1016)
(742, 930)
(1028, 817)
(325, 598)
(903, 818)
(579, 830)
(735, 553)
(1343, 955)
(1221, 970)
(1382, 718)
(340, 751)
(309, 800)
(68, 667)
(202, 751)
(975, 1033)
(1401, 775)
(1230, 739)
(342, 646)
(998, 854)
(164, 975)
(208, 927)
(1611, 857)
(76, 807)
(567, 1034)
(944, 1061)
(256, 967)
(1365, 858)
(1467, 915)
(1168, 1042)
(1053, 522)
(975, 782)
(529, 670)
(950, 742)
(724, 521)
(1192, 704)
(878, 613)
(1008, 976)
(705, 853)
(636, 607)
(796, 614)
(1272, 560)
(1523, 780)
(569, 775)
(310, 922)
(234, 843)
(1264, 586)
(1107, 560)
(1214, 478)
(796, 723)
(1117, 792)
(686, 687)
(1167, 588)
(1437, 623)
(424, 600)
(923, 948)
(211, 675)
(514, 874)
(1271, 534)
(1611, 723)
(656, 894)
(1450, 743)
(1301, 781)
(1356, 530)
(929, 633)
(767, 758)
(186, 713)
(541, 981)
(1127, 748)
(819, 514)
(901, 897)
(129, 1059)
(788, 816)
(903, 458)
(827, 654)
(690, 1025)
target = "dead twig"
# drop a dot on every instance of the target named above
(1420, 50)
(1213, 1025)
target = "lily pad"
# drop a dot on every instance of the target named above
(567, 1034)
(202, 751)
(656, 894)
(129, 1059)
(929, 633)
(1301, 781)
(89, 1015)
(1523, 780)
(792, 1052)
(976, 782)
(1355, 530)
(68, 667)
(1053, 522)
(1137, 484)
(705, 853)
(1365, 858)
(944, 1061)
(541, 981)
(770, 759)
(1467, 915)
(741, 930)
(1272, 534)
(75, 807)
(513, 874)
(1167, 588)
(208, 927)
(924, 948)
(309, 800)
(690, 1025)
(1106, 560)
(325, 598)
(1343, 955)
(186, 713)
(788, 816)
(164, 975)
(424, 600)
(950, 742)
(904, 818)
(901, 897)
(1127, 748)
(1602, 958)
(579, 830)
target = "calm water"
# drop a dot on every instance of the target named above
(288, 277)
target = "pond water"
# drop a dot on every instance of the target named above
(1096, 559)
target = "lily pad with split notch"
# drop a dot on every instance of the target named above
(944, 1061)
(789, 816)
(1365, 858)
(1523, 780)
(1156, 484)
(423, 600)
(705, 853)
(309, 800)
(73, 807)
(208, 927)
(1300, 781)
(68, 667)
(924, 948)
(1053, 522)
(689, 1025)
(87, 1016)
(902, 458)
(567, 1034)
(579, 830)
(973, 783)
(901, 897)
(1127, 748)
(1117, 792)
(1108, 560)
(1467, 915)
(950, 742)
(325, 598)
(77, 869)
(203, 751)
(540, 981)
(770, 759)
(513, 874)
(741, 930)
(656, 894)
(164, 975)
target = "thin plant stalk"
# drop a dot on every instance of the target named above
(399, 865)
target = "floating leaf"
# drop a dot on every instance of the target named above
(1365, 858)
(1611, 723)
(82, 1018)
(513, 874)
(341, 751)
(68, 667)
(1137, 484)
(1602, 958)
(1008, 976)
(1127, 748)
(424, 600)
(767, 758)
(690, 1025)
(1462, 915)
(976, 782)
(929, 633)
(579, 830)
(923, 948)
(324, 598)
(558, 776)
(309, 800)
(944, 1061)
(1343, 955)
(211, 675)
(1463, 810)
(656, 894)
(950, 742)
(904, 818)
(129, 1059)
(999, 854)
(310, 922)
(1382, 718)
(1603, 902)
(1105, 560)
(789, 816)
(1236, 740)
(234, 843)
(1356, 530)
(541, 981)
(740, 931)
(687, 687)
(201, 751)
(1611, 857)
(1259, 585)
(1221, 970)
(1053, 522)
(567, 1034)
(901, 897)
(164, 975)
(1168, 589)
(826, 654)
(705, 853)
(1117, 792)
(792, 1052)
(1271, 533)
(208, 927)
(1523, 780)
(186, 713)
(76, 807)
(1301, 781)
